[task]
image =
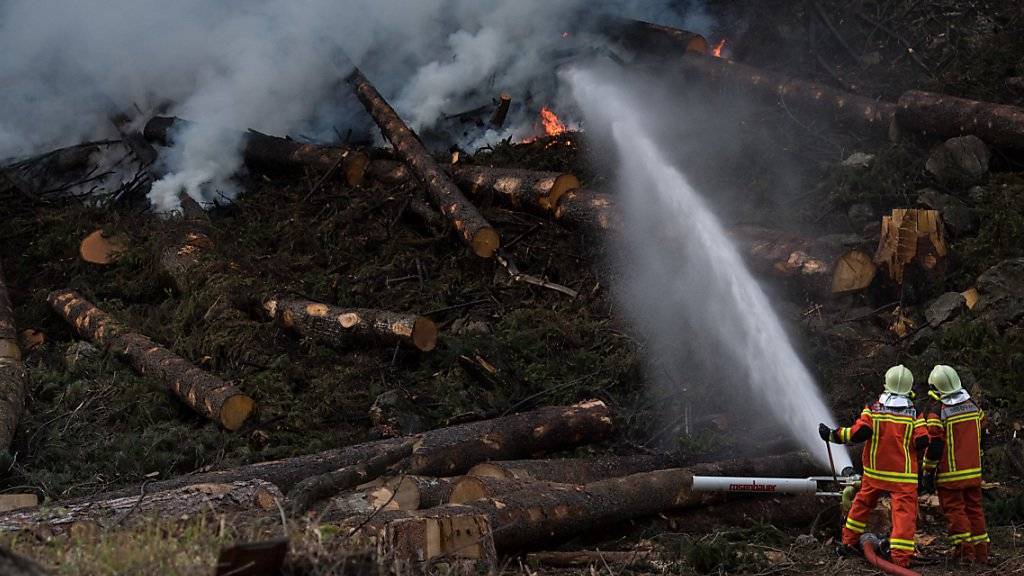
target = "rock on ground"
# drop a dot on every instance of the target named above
(959, 162)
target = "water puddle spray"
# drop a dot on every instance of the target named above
(685, 287)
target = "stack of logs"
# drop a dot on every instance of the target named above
(456, 493)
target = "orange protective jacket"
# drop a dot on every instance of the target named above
(955, 447)
(892, 438)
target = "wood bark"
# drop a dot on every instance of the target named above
(517, 188)
(415, 492)
(315, 488)
(189, 247)
(453, 450)
(341, 326)
(186, 500)
(274, 154)
(747, 510)
(470, 488)
(948, 116)
(573, 470)
(12, 373)
(501, 111)
(531, 517)
(593, 213)
(471, 226)
(206, 394)
(793, 93)
(646, 37)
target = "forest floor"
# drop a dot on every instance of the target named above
(94, 425)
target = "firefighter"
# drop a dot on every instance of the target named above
(893, 434)
(953, 462)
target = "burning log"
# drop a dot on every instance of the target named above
(199, 390)
(842, 107)
(340, 326)
(263, 152)
(316, 488)
(473, 229)
(816, 266)
(501, 112)
(12, 374)
(573, 470)
(184, 501)
(518, 188)
(947, 116)
(530, 517)
(454, 450)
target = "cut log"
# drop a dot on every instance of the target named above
(645, 37)
(416, 545)
(793, 93)
(188, 500)
(455, 448)
(99, 248)
(451, 451)
(471, 226)
(946, 116)
(515, 187)
(316, 488)
(342, 326)
(415, 492)
(501, 112)
(199, 390)
(593, 213)
(12, 372)
(470, 488)
(189, 247)
(573, 470)
(585, 558)
(854, 271)
(527, 518)
(270, 153)
(911, 236)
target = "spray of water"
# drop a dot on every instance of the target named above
(685, 287)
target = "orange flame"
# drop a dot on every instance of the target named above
(717, 50)
(552, 125)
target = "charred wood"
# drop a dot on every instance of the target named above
(471, 226)
(646, 37)
(204, 393)
(501, 111)
(12, 373)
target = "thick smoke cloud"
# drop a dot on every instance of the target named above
(269, 65)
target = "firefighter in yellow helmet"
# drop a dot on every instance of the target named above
(953, 462)
(893, 433)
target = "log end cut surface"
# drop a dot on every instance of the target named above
(486, 242)
(424, 334)
(564, 183)
(355, 168)
(236, 410)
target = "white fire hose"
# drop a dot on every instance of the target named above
(812, 485)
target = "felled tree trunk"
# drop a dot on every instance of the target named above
(186, 500)
(469, 488)
(516, 187)
(527, 518)
(946, 116)
(341, 326)
(814, 266)
(204, 393)
(419, 492)
(778, 510)
(471, 226)
(593, 213)
(12, 373)
(182, 258)
(640, 36)
(316, 488)
(454, 450)
(841, 107)
(572, 470)
(270, 153)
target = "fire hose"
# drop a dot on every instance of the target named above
(869, 543)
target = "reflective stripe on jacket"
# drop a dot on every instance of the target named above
(958, 429)
(890, 457)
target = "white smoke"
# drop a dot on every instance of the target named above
(269, 65)
(684, 285)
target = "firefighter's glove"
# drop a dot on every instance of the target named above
(928, 482)
(825, 432)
